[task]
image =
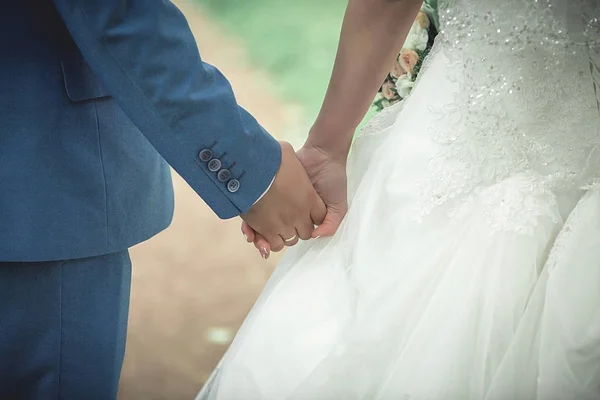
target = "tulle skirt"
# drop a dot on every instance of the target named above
(441, 307)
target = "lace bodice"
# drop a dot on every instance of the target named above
(527, 99)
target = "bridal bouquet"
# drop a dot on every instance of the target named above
(419, 41)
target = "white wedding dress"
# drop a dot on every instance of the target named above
(468, 266)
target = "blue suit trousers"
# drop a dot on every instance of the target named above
(62, 327)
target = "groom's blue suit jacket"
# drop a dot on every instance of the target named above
(95, 96)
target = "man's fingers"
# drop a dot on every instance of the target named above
(305, 229)
(290, 237)
(318, 211)
(275, 242)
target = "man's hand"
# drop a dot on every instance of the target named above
(290, 209)
(327, 173)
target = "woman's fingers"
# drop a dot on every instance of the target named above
(248, 232)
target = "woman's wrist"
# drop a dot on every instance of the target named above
(332, 148)
(331, 140)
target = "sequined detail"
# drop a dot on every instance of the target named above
(516, 204)
(524, 101)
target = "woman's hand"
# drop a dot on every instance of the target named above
(372, 35)
(290, 208)
(327, 173)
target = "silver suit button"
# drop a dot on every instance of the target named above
(233, 185)
(214, 165)
(205, 155)
(224, 175)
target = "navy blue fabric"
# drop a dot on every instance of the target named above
(95, 96)
(62, 328)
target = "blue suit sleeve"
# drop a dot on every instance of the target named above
(144, 53)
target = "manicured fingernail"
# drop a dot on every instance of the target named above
(264, 253)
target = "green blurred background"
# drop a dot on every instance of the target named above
(194, 283)
(294, 41)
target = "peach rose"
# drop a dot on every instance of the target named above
(388, 90)
(423, 20)
(408, 59)
(397, 70)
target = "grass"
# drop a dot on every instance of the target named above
(294, 40)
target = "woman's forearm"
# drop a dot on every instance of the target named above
(372, 36)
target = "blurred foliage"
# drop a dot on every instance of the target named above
(294, 40)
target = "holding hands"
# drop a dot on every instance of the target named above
(292, 205)
(326, 195)
(289, 210)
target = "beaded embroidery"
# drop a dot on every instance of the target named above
(525, 102)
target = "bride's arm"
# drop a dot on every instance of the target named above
(372, 36)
